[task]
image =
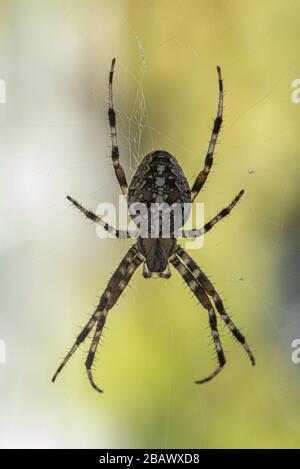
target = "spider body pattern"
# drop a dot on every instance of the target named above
(159, 179)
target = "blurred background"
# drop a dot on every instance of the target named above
(54, 140)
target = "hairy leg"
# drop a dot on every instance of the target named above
(119, 171)
(113, 291)
(211, 291)
(205, 302)
(122, 234)
(195, 233)
(202, 176)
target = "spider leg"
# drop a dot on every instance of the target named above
(210, 290)
(194, 233)
(205, 302)
(116, 286)
(93, 348)
(119, 171)
(202, 176)
(92, 216)
(81, 337)
(114, 289)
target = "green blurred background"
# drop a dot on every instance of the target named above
(54, 140)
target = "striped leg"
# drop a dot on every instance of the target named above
(119, 171)
(202, 176)
(91, 355)
(210, 290)
(82, 336)
(113, 291)
(195, 233)
(117, 233)
(204, 300)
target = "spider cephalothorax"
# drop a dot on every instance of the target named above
(157, 253)
(159, 199)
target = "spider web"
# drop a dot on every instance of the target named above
(133, 124)
(134, 127)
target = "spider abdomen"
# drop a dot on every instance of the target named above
(158, 179)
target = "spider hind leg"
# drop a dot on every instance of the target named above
(205, 302)
(108, 299)
(210, 290)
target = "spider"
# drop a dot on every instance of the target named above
(159, 177)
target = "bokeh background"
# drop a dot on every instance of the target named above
(54, 140)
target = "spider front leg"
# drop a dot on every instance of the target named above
(210, 290)
(92, 216)
(113, 291)
(119, 171)
(202, 176)
(205, 302)
(194, 233)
